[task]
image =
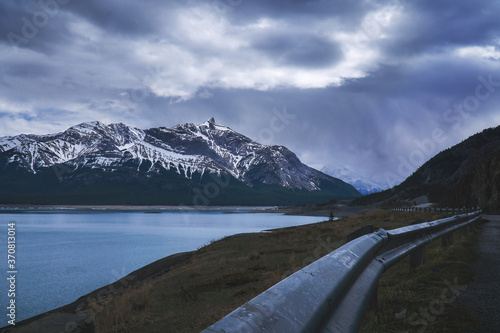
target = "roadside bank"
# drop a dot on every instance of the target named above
(189, 292)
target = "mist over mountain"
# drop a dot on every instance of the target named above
(467, 174)
(362, 184)
(206, 164)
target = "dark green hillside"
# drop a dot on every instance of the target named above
(466, 174)
(97, 187)
(197, 165)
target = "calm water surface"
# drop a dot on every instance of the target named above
(62, 255)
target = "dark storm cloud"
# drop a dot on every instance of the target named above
(349, 12)
(358, 83)
(43, 25)
(27, 24)
(26, 70)
(122, 17)
(299, 49)
(436, 26)
(439, 77)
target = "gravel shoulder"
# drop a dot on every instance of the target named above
(483, 295)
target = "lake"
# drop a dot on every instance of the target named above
(62, 255)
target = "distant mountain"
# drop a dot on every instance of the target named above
(207, 164)
(363, 185)
(467, 174)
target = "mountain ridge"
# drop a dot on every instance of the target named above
(467, 174)
(362, 184)
(91, 152)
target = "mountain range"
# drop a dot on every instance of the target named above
(362, 184)
(465, 175)
(188, 164)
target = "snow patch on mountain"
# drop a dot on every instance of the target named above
(186, 149)
(362, 184)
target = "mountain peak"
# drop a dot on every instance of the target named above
(170, 162)
(210, 123)
(363, 184)
(89, 124)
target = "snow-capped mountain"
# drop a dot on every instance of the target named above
(363, 185)
(94, 153)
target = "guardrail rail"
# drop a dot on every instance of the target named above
(333, 293)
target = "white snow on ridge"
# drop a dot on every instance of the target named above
(126, 146)
(362, 184)
(7, 143)
(167, 158)
(96, 145)
(223, 128)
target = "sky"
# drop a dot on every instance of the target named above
(378, 87)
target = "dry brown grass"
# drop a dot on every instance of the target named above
(119, 312)
(420, 294)
(227, 273)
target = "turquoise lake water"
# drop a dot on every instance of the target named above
(63, 255)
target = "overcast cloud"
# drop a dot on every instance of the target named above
(377, 86)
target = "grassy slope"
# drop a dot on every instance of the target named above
(231, 271)
(422, 292)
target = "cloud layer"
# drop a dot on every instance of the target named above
(378, 86)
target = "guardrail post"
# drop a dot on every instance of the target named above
(417, 258)
(463, 231)
(447, 240)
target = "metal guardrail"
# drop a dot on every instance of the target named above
(333, 293)
(435, 209)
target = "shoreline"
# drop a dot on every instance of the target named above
(75, 312)
(339, 211)
(132, 208)
(256, 250)
(80, 305)
(158, 268)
